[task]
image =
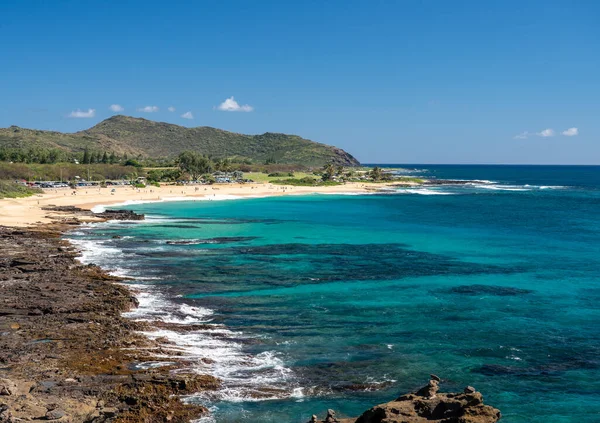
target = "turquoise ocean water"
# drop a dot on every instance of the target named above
(346, 301)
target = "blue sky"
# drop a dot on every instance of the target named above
(389, 81)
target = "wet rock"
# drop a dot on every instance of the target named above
(187, 384)
(469, 390)
(364, 387)
(120, 215)
(108, 214)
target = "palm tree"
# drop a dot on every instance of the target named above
(328, 172)
(376, 173)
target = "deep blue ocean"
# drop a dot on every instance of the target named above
(347, 301)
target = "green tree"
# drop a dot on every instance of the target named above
(208, 178)
(223, 165)
(328, 172)
(105, 158)
(376, 173)
(194, 164)
(53, 155)
(132, 177)
(86, 157)
(133, 162)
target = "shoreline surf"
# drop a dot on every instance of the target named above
(28, 211)
(213, 349)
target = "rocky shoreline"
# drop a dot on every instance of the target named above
(67, 354)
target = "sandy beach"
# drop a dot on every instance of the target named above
(29, 211)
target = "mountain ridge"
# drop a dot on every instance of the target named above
(139, 136)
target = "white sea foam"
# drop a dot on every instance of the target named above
(95, 251)
(423, 191)
(379, 381)
(342, 193)
(215, 350)
(553, 187)
(502, 187)
(403, 171)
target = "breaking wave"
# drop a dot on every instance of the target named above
(191, 334)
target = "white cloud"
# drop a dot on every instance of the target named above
(522, 136)
(546, 133)
(116, 108)
(171, 109)
(187, 115)
(571, 132)
(83, 114)
(148, 109)
(230, 105)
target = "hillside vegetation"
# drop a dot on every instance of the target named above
(144, 138)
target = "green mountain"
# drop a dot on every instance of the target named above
(137, 136)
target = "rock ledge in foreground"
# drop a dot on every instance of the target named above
(427, 406)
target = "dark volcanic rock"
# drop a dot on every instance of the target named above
(503, 291)
(108, 214)
(120, 215)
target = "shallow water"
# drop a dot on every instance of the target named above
(340, 301)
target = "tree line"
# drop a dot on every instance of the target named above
(41, 155)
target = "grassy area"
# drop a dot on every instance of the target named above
(263, 177)
(9, 189)
(302, 179)
(305, 182)
(411, 179)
